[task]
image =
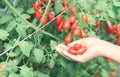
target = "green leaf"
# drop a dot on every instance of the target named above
(11, 54)
(13, 75)
(30, 11)
(111, 13)
(91, 34)
(58, 6)
(25, 47)
(26, 72)
(25, 16)
(42, 75)
(52, 63)
(3, 34)
(109, 23)
(104, 73)
(101, 5)
(116, 3)
(52, 45)
(11, 26)
(21, 31)
(38, 55)
(91, 20)
(5, 19)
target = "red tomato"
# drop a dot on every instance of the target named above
(65, 3)
(44, 21)
(83, 34)
(72, 18)
(38, 14)
(36, 6)
(118, 41)
(58, 20)
(77, 31)
(44, 1)
(66, 25)
(60, 26)
(98, 24)
(112, 73)
(52, 1)
(82, 50)
(51, 16)
(74, 25)
(68, 39)
(77, 47)
(73, 9)
(85, 19)
(1, 65)
(72, 51)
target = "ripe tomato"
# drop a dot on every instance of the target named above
(1, 65)
(51, 16)
(77, 31)
(58, 20)
(73, 9)
(74, 25)
(65, 3)
(44, 20)
(44, 1)
(60, 26)
(98, 24)
(82, 50)
(38, 14)
(36, 6)
(77, 47)
(112, 73)
(118, 41)
(52, 1)
(68, 39)
(72, 51)
(66, 24)
(72, 18)
(85, 19)
(83, 34)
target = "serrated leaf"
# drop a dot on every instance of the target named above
(104, 73)
(58, 6)
(20, 30)
(38, 55)
(25, 47)
(5, 19)
(30, 11)
(25, 16)
(11, 26)
(3, 34)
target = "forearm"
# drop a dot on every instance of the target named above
(113, 52)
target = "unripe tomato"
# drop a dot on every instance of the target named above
(77, 47)
(98, 24)
(68, 39)
(66, 24)
(36, 6)
(38, 14)
(72, 51)
(77, 31)
(83, 34)
(65, 3)
(58, 20)
(51, 16)
(60, 26)
(73, 9)
(72, 18)
(85, 18)
(74, 25)
(82, 50)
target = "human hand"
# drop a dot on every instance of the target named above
(95, 48)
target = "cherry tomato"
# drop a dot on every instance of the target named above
(58, 20)
(52, 1)
(44, 21)
(44, 1)
(72, 18)
(72, 51)
(118, 41)
(51, 16)
(77, 31)
(112, 73)
(82, 50)
(74, 25)
(85, 18)
(66, 24)
(98, 24)
(73, 9)
(83, 34)
(68, 39)
(77, 47)
(65, 3)
(36, 6)
(38, 14)
(60, 26)
(1, 65)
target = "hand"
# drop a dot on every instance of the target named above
(95, 48)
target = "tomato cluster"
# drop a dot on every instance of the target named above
(39, 8)
(77, 49)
